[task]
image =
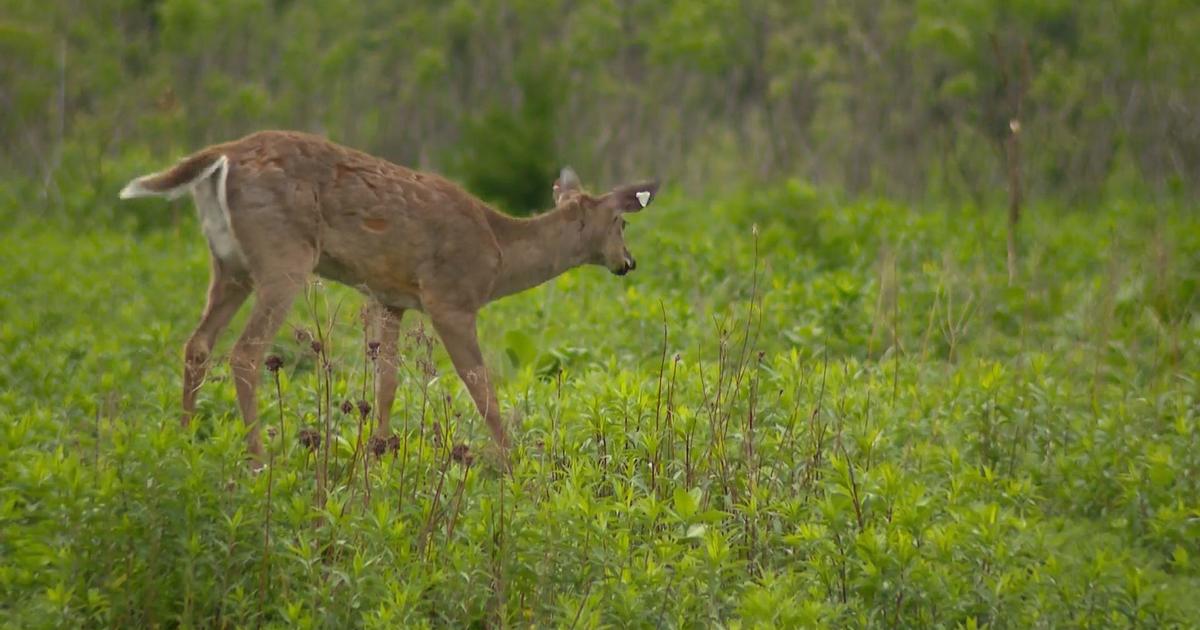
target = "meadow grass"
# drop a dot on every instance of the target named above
(796, 412)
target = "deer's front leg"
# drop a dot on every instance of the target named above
(457, 330)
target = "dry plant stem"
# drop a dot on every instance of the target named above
(327, 389)
(791, 427)
(815, 424)
(752, 305)
(662, 609)
(1015, 91)
(750, 334)
(715, 443)
(497, 558)
(554, 424)
(366, 468)
(662, 367)
(431, 520)
(587, 591)
(703, 388)
(895, 331)
(670, 411)
(322, 480)
(749, 440)
(854, 494)
(359, 447)
(266, 563)
(353, 466)
(454, 512)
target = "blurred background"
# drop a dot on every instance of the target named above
(898, 98)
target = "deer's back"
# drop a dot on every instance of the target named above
(376, 225)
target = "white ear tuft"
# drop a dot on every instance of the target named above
(643, 197)
(567, 178)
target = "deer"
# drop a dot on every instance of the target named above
(277, 207)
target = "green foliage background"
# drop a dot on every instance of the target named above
(897, 98)
(818, 402)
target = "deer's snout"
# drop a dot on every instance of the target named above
(628, 265)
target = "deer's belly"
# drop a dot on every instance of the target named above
(399, 295)
(398, 300)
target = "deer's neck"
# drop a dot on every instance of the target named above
(537, 249)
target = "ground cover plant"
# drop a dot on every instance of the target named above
(799, 411)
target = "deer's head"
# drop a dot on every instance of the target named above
(603, 218)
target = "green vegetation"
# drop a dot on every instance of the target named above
(872, 429)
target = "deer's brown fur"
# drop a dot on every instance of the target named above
(276, 206)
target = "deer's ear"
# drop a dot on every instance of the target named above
(567, 183)
(633, 197)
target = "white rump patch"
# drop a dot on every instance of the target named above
(212, 203)
(643, 197)
(213, 206)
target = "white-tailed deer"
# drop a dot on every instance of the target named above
(276, 206)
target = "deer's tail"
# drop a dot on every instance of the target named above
(179, 179)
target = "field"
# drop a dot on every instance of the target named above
(798, 411)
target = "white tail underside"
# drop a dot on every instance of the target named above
(136, 188)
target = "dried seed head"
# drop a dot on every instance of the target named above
(303, 335)
(364, 408)
(429, 369)
(380, 445)
(274, 362)
(310, 438)
(347, 406)
(317, 347)
(462, 455)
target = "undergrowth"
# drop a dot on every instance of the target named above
(795, 413)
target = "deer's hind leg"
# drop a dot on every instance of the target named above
(227, 290)
(279, 259)
(274, 292)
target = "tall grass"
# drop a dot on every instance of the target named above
(796, 413)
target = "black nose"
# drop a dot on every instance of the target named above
(632, 264)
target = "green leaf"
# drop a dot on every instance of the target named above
(520, 347)
(686, 502)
